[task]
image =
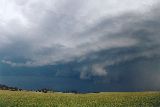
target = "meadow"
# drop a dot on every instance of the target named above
(103, 99)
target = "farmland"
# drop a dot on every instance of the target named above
(103, 99)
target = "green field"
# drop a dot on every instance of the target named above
(108, 99)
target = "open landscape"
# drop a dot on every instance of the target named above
(57, 99)
(79, 53)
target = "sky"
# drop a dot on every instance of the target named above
(83, 45)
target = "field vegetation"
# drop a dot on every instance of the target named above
(103, 99)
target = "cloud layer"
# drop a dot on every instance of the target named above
(48, 32)
(98, 35)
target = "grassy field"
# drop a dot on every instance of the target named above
(113, 99)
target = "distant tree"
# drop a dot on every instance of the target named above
(44, 90)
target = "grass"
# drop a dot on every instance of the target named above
(107, 99)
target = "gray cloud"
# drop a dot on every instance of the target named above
(51, 32)
(105, 45)
(136, 26)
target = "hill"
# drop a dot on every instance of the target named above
(5, 87)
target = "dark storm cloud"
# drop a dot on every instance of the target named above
(106, 42)
(45, 33)
(128, 68)
(144, 30)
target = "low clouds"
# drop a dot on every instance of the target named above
(93, 70)
(37, 33)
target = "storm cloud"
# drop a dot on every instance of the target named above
(98, 37)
